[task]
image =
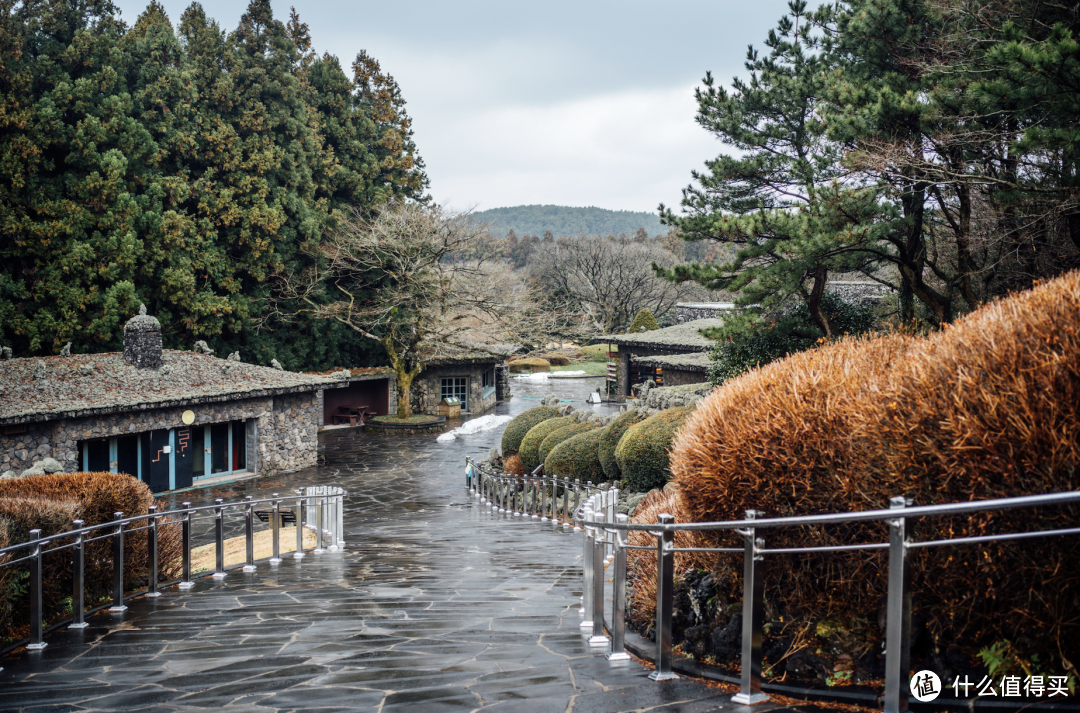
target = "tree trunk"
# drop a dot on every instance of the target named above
(821, 274)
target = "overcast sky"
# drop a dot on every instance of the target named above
(570, 103)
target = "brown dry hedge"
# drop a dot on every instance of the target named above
(512, 465)
(988, 407)
(98, 496)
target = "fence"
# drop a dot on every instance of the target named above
(605, 543)
(323, 507)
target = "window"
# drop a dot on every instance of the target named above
(488, 382)
(456, 386)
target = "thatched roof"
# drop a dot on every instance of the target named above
(694, 361)
(685, 337)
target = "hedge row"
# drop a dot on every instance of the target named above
(50, 503)
(520, 425)
(609, 439)
(988, 407)
(576, 457)
(642, 453)
(530, 444)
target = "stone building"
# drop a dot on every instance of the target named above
(690, 311)
(169, 418)
(680, 339)
(678, 369)
(469, 376)
(374, 389)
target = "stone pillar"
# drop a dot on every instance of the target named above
(142, 341)
(502, 382)
(624, 373)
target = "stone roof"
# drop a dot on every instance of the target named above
(685, 337)
(694, 361)
(453, 355)
(51, 388)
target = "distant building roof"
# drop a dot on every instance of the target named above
(684, 337)
(89, 384)
(706, 305)
(694, 361)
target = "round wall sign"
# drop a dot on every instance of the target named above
(188, 417)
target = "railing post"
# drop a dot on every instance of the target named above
(566, 503)
(275, 525)
(517, 506)
(543, 498)
(753, 616)
(152, 554)
(665, 585)
(320, 505)
(898, 606)
(468, 474)
(504, 487)
(118, 565)
(37, 633)
(249, 535)
(612, 516)
(219, 540)
(587, 572)
(78, 570)
(577, 502)
(185, 545)
(618, 606)
(300, 502)
(599, 543)
(341, 518)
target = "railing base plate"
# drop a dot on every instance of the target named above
(657, 676)
(150, 594)
(621, 656)
(185, 585)
(585, 625)
(599, 641)
(36, 647)
(275, 560)
(250, 568)
(749, 700)
(83, 625)
(219, 575)
(118, 609)
(298, 556)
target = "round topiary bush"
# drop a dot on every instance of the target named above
(519, 425)
(557, 359)
(529, 450)
(533, 364)
(644, 321)
(576, 457)
(561, 434)
(609, 439)
(642, 453)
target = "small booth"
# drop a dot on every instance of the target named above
(450, 407)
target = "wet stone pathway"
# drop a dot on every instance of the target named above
(435, 604)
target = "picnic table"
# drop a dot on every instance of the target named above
(352, 414)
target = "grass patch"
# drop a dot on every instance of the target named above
(415, 418)
(598, 352)
(591, 368)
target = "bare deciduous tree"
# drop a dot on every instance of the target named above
(400, 279)
(609, 279)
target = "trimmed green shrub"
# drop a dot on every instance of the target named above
(609, 439)
(529, 450)
(644, 321)
(576, 457)
(519, 426)
(529, 365)
(561, 434)
(642, 453)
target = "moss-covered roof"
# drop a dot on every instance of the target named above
(694, 361)
(92, 384)
(685, 337)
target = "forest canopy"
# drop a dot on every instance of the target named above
(565, 221)
(183, 166)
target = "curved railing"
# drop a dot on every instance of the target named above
(605, 542)
(320, 508)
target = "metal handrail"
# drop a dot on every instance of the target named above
(604, 530)
(325, 505)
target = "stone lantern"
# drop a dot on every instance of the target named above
(142, 341)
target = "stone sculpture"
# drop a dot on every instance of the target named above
(203, 348)
(66, 351)
(276, 364)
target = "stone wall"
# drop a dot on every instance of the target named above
(287, 431)
(425, 395)
(502, 382)
(657, 399)
(678, 377)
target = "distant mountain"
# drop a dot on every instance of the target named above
(565, 220)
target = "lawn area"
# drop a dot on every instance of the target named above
(591, 368)
(598, 352)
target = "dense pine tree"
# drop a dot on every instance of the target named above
(183, 168)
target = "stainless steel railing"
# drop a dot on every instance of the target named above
(320, 507)
(605, 531)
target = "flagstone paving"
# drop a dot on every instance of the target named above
(435, 604)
